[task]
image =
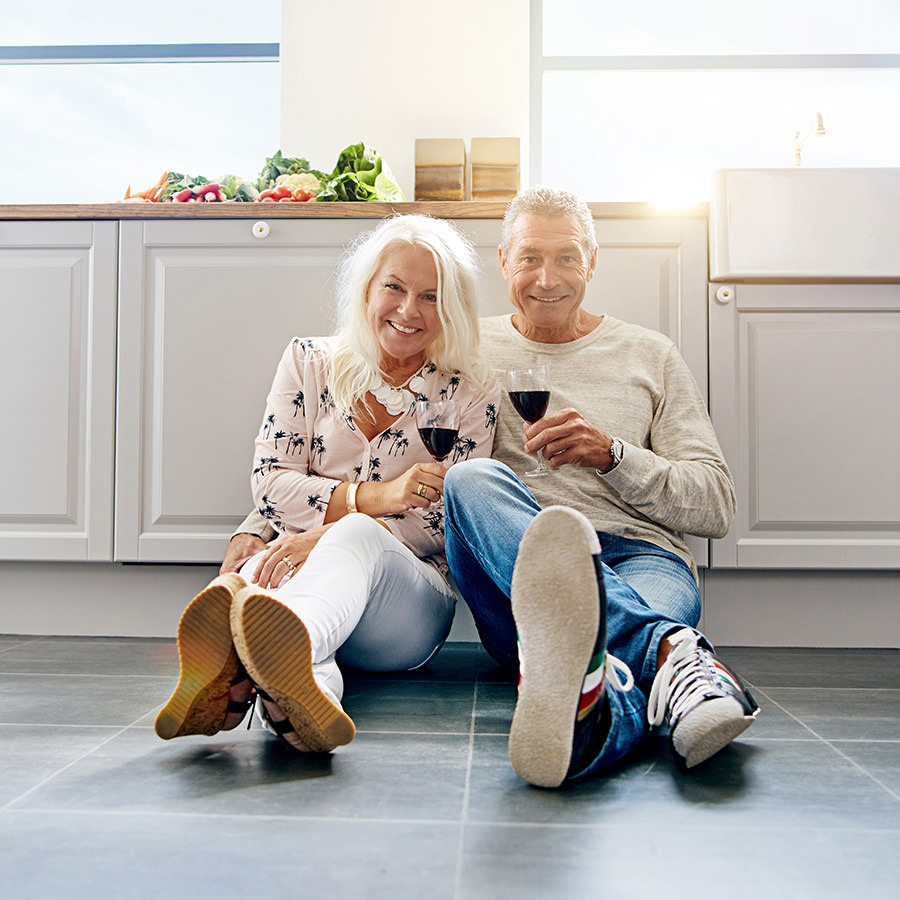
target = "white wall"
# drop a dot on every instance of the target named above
(389, 71)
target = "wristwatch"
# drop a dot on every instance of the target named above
(615, 451)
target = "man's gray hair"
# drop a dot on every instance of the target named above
(547, 201)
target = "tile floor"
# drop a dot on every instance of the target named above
(424, 802)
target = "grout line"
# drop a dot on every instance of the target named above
(837, 750)
(467, 792)
(121, 730)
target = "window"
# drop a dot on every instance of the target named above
(641, 101)
(97, 97)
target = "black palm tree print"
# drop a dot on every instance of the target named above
(386, 435)
(490, 416)
(325, 401)
(317, 448)
(295, 442)
(434, 521)
(264, 465)
(463, 448)
(270, 421)
(374, 465)
(278, 435)
(268, 509)
(316, 502)
(299, 404)
(398, 447)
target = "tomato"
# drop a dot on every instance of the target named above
(301, 195)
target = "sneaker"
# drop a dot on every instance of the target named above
(274, 647)
(704, 703)
(562, 717)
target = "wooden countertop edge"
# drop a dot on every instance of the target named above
(463, 209)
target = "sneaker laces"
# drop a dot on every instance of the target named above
(682, 681)
(618, 675)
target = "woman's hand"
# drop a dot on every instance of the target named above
(418, 486)
(295, 548)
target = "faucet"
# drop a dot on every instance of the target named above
(816, 126)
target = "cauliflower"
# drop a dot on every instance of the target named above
(301, 180)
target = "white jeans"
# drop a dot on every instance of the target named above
(367, 600)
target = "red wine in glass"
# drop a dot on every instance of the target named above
(438, 425)
(438, 441)
(529, 391)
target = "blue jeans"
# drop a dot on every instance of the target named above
(487, 509)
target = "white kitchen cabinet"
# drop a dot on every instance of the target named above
(205, 312)
(207, 307)
(804, 381)
(57, 401)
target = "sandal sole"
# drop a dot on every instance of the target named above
(273, 645)
(556, 641)
(208, 663)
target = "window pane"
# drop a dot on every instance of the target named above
(633, 136)
(715, 27)
(141, 22)
(83, 133)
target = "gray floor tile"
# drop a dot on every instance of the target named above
(252, 773)
(80, 699)
(837, 714)
(70, 856)
(667, 859)
(425, 802)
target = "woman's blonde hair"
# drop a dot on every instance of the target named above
(356, 361)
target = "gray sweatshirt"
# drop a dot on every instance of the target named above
(632, 384)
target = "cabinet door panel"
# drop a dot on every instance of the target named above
(57, 303)
(202, 328)
(807, 413)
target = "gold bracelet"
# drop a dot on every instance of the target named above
(352, 488)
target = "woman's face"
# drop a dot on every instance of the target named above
(402, 304)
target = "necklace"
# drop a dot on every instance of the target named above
(397, 399)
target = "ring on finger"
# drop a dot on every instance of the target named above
(289, 563)
(422, 489)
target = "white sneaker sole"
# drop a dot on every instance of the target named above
(556, 609)
(709, 728)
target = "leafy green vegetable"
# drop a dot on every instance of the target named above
(360, 174)
(235, 188)
(176, 182)
(283, 165)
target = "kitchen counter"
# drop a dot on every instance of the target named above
(458, 210)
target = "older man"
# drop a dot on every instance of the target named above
(635, 461)
(590, 556)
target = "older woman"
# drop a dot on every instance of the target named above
(357, 573)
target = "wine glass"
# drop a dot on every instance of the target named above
(529, 391)
(438, 424)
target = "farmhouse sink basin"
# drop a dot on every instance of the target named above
(805, 224)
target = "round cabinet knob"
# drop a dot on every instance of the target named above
(260, 230)
(725, 294)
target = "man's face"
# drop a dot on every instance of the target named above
(548, 273)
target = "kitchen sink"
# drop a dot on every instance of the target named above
(805, 224)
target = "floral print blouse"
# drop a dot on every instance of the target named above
(306, 447)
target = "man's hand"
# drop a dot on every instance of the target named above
(568, 439)
(240, 548)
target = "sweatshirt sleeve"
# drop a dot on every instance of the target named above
(682, 480)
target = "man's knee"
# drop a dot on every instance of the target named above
(470, 474)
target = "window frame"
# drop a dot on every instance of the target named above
(539, 65)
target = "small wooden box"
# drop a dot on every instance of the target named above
(495, 168)
(440, 169)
